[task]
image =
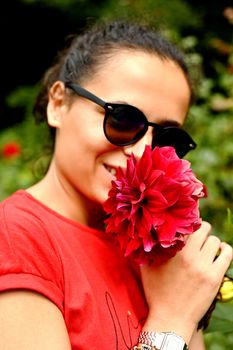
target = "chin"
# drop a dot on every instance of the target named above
(99, 198)
(103, 197)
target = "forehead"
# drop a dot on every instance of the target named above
(132, 64)
(144, 80)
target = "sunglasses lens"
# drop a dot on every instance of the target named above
(124, 125)
(175, 137)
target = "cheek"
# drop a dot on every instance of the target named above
(82, 133)
(86, 125)
(81, 143)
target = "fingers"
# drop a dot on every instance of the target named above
(227, 249)
(210, 248)
(198, 238)
(225, 257)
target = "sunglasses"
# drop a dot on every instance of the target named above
(125, 125)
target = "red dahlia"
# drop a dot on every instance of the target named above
(153, 205)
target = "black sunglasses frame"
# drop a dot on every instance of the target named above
(161, 131)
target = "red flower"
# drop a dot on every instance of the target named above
(153, 205)
(11, 149)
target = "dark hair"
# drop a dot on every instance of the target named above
(87, 52)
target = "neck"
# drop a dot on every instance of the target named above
(62, 198)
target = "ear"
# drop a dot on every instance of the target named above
(56, 104)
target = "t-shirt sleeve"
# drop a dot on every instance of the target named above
(29, 258)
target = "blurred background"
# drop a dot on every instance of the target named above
(32, 31)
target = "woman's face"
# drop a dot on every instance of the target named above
(85, 161)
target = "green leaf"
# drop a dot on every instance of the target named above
(222, 318)
(229, 272)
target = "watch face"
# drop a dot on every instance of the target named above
(172, 341)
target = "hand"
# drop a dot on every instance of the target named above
(180, 291)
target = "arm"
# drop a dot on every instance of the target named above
(30, 321)
(180, 291)
(197, 341)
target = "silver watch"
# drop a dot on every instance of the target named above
(162, 341)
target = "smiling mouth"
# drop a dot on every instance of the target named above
(111, 170)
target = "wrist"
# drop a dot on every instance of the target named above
(179, 327)
(149, 340)
(167, 323)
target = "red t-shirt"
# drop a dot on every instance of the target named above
(78, 268)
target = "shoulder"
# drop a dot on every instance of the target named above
(20, 210)
(29, 257)
(23, 224)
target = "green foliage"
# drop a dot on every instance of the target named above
(220, 330)
(228, 227)
(22, 169)
(222, 319)
(228, 236)
(219, 335)
(210, 122)
(219, 341)
(155, 12)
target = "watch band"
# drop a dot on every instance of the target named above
(143, 347)
(162, 341)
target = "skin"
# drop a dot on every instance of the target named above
(81, 148)
(125, 78)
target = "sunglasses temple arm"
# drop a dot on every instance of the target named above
(84, 93)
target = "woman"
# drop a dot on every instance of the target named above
(64, 284)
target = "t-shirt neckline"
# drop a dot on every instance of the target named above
(58, 215)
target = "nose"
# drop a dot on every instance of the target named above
(138, 148)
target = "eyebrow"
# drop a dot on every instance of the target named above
(169, 122)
